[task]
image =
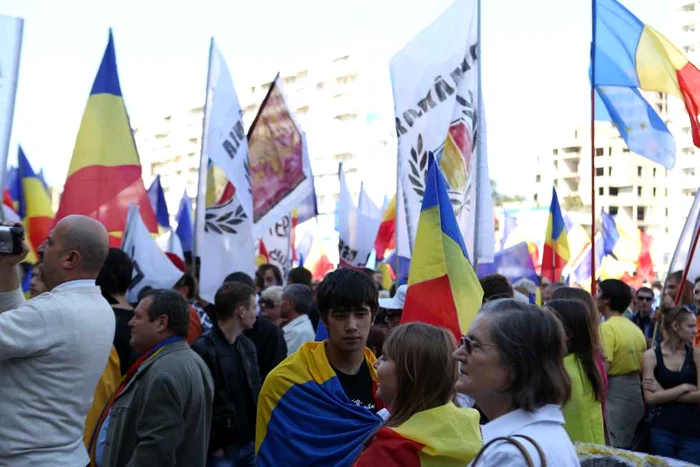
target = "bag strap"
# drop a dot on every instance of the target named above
(543, 459)
(508, 440)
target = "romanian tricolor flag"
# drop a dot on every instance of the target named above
(386, 235)
(631, 54)
(304, 416)
(441, 437)
(104, 176)
(443, 289)
(556, 244)
(33, 206)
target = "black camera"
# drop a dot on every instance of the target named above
(11, 239)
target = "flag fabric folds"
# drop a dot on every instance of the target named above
(581, 267)
(438, 107)
(638, 123)
(515, 263)
(621, 238)
(280, 169)
(685, 256)
(34, 206)
(386, 235)
(556, 246)
(443, 436)
(151, 266)
(105, 163)
(184, 228)
(302, 406)
(443, 289)
(631, 54)
(11, 31)
(157, 199)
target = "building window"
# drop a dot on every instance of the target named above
(613, 190)
(609, 171)
(653, 191)
(345, 117)
(639, 171)
(599, 152)
(640, 213)
(639, 191)
(613, 210)
(555, 152)
(609, 151)
(653, 172)
(666, 212)
(599, 172)
(601, 191)
(320, 85)
(556, 183)
(538, 179)
(536, 197)
(665, 191)
(194, 140)
(625, 150)
(302, 110)
(341, 59)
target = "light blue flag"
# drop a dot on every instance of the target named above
(638, 123)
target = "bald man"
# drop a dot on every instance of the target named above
(53, 348)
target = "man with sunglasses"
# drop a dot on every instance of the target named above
(642, 315)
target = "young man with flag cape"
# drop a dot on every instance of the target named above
(318, 407)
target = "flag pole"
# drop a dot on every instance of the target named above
(480, 144)
(203, 169)
(593, 209)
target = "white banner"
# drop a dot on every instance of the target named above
(225, 142)
(151, 266)
(277, 242)
(357, 226)
(10, 47)
(681, 257)
(227, 246)
(435, 80)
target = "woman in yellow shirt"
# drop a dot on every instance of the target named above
(583, 413)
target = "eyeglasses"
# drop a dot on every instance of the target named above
(265, 303)
(469, 345)
(645, 299)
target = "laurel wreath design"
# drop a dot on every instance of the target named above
(418, 161)
(224, 223)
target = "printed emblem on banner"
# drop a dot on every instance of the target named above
(224, 218)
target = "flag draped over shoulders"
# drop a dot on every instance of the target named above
(443, 436)
(304, 416)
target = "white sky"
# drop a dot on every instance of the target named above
(535, 59)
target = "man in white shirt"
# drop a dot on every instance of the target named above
(53, 348)
(297, 300)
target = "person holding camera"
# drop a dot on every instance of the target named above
(54, 347)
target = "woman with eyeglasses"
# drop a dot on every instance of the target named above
(671, 375)
(271, 304)
(417, 376)
(512, 364)
(583, 413)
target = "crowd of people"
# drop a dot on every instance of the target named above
(285, 371)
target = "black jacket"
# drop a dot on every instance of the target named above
(237, 382)
(269, 343)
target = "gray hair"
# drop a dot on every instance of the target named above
(531, 343)
(302, 297)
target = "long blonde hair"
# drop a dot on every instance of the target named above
(426, 372)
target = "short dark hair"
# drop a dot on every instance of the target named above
(301, 295)
(275, 270)
(496, 286)
(187, 280)
(619, 294)
(300, 275)
(173, 305)
(230, 296)
(240, 277)
(531, 343)
(346, 289)
(645, 289)
(115, 276)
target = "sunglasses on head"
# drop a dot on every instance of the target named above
(645, 299)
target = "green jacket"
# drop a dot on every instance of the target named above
(163, 417)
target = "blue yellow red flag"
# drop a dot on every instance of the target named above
(443, 289)
(305, 417)
(34, 206)
(556, 245)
